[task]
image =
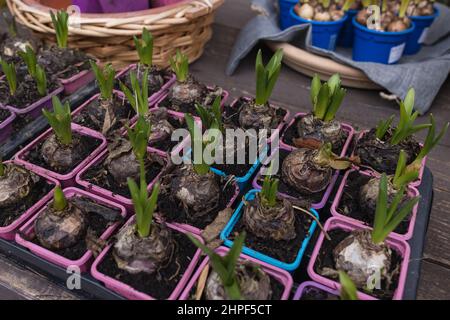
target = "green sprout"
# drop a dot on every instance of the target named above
(61, 26)
(269, 191)
(139, 97)
(347, 5)
(403, 7)
(180, 66)
(2, 168)
(387, 218)
(200, 167)
(30, 59)
(348, 288)
(59, 200)
(105, 79)
(267, 76)
(383, 126)
(325, 3)
(326, 98)
(403, 176)
(41, 80)
(226, 266)
(11, 77)
(138, 136)
(60, 120)
(211, 117)
(144, 47)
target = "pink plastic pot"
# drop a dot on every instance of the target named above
(155, 96)
(393, 241)
(275, 273)
(318, 205)
(162, 3)
(346, 127)
(412, 192)
(422, 167)
(107, 194)
(78, 81)
(6, 127)
(116, 6)
(128, 291)
(334, 291)
(9, 232)
(83, 263)
(68, 179)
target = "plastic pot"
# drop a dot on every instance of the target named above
(416, 38)
(128, 291)
(289, 266)
(400, 246)
(6, 127)
(88, 6)
(378, 46)
(346, 127)
(285, 18)
(68, 179)
(324, 34)
(412, 192)
(345, 38)
(83, 263)
(276, 274)
(162, 3)
(308, 285)
(116, 6)
(9, 232)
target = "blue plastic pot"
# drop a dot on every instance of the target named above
(415, 39)
(257, 255)
(346, 35)
(324, 34)
(285, 18)
(377, 46)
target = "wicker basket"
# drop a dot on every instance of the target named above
(109, 37)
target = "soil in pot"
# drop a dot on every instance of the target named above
(325, 260)
(159, 284)
(381, 155)
(312, 293)
(251, 116)
(10, 46)
(63, 63)
(4, 114)
(20, 189)
(156, 78)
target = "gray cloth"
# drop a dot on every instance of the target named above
(425, 71)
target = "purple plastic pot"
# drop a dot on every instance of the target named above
(393, 242)
(412, 192)
(128, 291)
(155, 96)
(68, 179)
(162, 3)
(335, 291)
(107, 194)
(6, 127)
(9, 232)
(422, 167)
(316, 206)
(78, 81)
(83, 263)
(346, 127)
(116, 6)
(280, 275)
(88, 6)
(35, 109)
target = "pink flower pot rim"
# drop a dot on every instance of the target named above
(334, 291)
(9, 119)
(36, 104)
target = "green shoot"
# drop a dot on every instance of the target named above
(326, 98)
(211, 117)
(61, 26)
(325, 3)
(2, 168)
(60, 120)
(138, 137)
(41, 80)
(139, 97)
(144, 48)
(347, 5)
(403, 7)
(387, 218)
(10, 73)
(180, 66)
(267, 76)
(105, 79)
(59, 200)
(30, 59)
(198, 145)
(384, 6)
(348, 288)
(402, 176)
(383, 126)
(225, 266)
(269, 191)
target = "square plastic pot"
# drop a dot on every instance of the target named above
(318, 205)
(6, 127)
(77, 81)
(412, 192)
(68, 179)
(9, 232)
(258, 255)
(334, 291)
(131, 293)
(84, 262)
(275, 273)
(400, 246)
(416, 38)
(346, 127)
(107, 194)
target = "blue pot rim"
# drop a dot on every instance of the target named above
(436, 14)
(319, 23)
(383, 33)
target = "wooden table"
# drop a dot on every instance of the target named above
(361, 107)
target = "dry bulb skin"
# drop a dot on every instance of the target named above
(422, 8)
(61, 157)
(277, 223)
(161, 129)
(389, 19)
(313, 10)
(15, 185)
(314, 130)
(121, 162)
(135, 254)
(368, 194)
(252, 116)
(253, 282)
(187, 92)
